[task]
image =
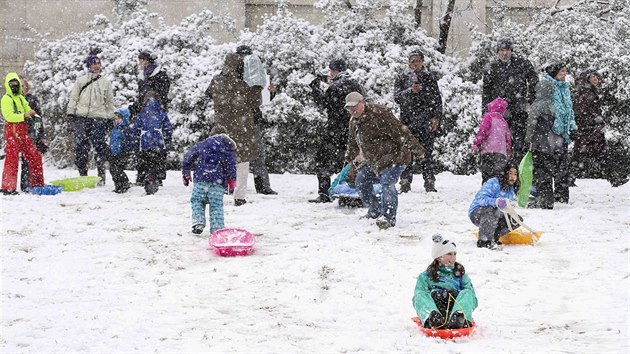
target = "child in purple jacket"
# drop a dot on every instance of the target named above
(493, 140)
(214, 161)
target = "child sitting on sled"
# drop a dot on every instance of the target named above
(444, 297)
(214, 161)
(486, 209)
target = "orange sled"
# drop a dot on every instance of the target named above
(445, 333)
(519, 236)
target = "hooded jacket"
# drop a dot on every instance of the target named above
(494, 132)
(13, 106)
(424, 304)
(121, 138)
(233, 103)
(153, 127)
(213, 159)
(382, 138)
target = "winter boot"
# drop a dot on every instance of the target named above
(405, 186)
(383, 223)
(239, 202)
(261, 188)
(83, 171)
(151, 186)
(435, 320)
(323, 184)
(197, 229)
(457, 320)
(429, 186)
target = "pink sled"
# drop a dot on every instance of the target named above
(231, 242)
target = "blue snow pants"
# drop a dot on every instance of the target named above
(207, 193)
(94, 131)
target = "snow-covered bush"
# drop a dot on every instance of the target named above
(186, 51)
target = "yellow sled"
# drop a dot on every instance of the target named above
(519, 236)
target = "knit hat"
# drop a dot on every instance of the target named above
(416, 53)
(338, 65)
(91, 59)
(244, 50)
(554, 68)
(586, 74)
(504, 43)
(442, 247)
(147, 55)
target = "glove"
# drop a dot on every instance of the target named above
(501, 203)
(231, 184)
(186, 180)
(435, 320)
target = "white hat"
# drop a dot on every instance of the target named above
(441, 246)
(353, 99)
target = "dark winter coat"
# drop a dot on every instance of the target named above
(36, 125)
(417, 109)
(121, 136)
(382, 138)
(233, 103)
(213, 159)
(153, 128)
(514, 81)
(334, 135)
(158, 82)
(587, 106)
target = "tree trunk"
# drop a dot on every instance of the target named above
(418, 13)
(445, 26)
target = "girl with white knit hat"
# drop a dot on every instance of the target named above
(444, 297)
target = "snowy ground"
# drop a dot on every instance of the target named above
(94, 271)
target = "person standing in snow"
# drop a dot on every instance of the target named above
(486, 209)
(35, 131)
(214, 161)
(550, 122)
(255, 75)
(121, 145)
(444, 297)
(513, 78)
(590, 149)
(233, 103)
(383, 147)
(334, 133)
(16, 110)
(91, 111)
(153, 78)
(154, 134)
(418, 95)
(493, 140)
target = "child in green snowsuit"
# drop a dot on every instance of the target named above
(444, 296)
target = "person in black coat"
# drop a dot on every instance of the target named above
(514, 79)
(153, 78)
(333, 142)
(418, 95)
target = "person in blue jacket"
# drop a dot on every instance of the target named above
(120, 145)
(155, 133)
(444, 297)
(214, 161)
(486, 209)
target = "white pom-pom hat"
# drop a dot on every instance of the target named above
(441, 246)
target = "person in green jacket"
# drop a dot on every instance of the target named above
(444, 297)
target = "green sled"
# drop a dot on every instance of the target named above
(526, 176)
(77, 183)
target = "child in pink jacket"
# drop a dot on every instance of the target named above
(493, 140)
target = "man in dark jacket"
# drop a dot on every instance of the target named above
(334, 135)
(514, 79)
(417, 93)
(382, 147)
(152, 79)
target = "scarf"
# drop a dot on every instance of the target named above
(564, 121)
(149, 69)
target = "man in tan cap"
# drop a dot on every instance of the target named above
(382, 147)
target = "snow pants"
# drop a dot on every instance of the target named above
(491, 223)
(18, 141)
(551, 178)
(204, 193)
(492, 165)
(117, 169)
(90, 131)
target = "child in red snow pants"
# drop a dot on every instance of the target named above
(18, 141)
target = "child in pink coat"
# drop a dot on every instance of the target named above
(493, 140)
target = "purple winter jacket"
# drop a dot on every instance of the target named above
(494, 132)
